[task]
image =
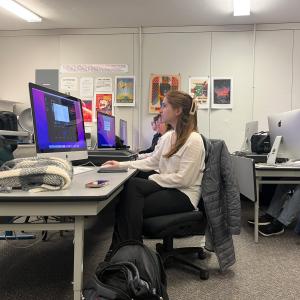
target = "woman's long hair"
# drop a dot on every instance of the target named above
(187, 121)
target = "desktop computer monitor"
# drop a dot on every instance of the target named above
(106, 130)
(250, 129)
(123, 131)
(287, 125)
(58, 124)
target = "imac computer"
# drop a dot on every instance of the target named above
(287, 126)
(58, 124)
(106, 135)
(123, 132)
(250, 129)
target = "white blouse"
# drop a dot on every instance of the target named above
(183, 170)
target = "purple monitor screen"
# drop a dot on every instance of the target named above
(58, 120)
(106, 131)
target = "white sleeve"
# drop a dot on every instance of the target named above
(190, 166)
(149, 163)
(144, 155)
(156, 148)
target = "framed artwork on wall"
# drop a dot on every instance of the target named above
(124, 91)
(159, 86)
(222, 88)
(104, 103)
(199, 89)
(87, 110)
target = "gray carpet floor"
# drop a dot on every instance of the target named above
(267, 270)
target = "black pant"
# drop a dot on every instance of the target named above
(143, 198)
(145, 174)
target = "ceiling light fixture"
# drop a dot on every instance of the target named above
(20, 11)
(241, 7)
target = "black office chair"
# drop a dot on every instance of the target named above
(168, 227)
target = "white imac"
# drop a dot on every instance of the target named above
(123, 132)
(287, 126)
(250, 129)
(58, 124)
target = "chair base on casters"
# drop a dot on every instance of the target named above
(169, 254)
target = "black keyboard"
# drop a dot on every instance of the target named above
(258, 158)
(112, 170)
(109, 153)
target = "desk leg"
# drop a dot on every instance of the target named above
(256, 212)
(78, 256)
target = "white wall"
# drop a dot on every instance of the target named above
(190, 51)
(104, 49)
(273, 74)
(232, 57)
(19, 57)
(173, 53)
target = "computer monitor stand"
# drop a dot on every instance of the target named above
(274, 151)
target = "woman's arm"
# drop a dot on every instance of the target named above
(147, 164)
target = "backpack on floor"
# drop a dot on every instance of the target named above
(133, 272)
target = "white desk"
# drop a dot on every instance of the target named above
(265, 174)
(77, 201)
(251, 176)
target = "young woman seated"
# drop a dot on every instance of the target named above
(177, 186)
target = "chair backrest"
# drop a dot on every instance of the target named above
(205, 143)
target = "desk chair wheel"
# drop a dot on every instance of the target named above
(204, 274)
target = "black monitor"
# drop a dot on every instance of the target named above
(106, 135)
(58, 124)
(123, 132)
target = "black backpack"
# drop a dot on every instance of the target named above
(133, 272)
(260, 142)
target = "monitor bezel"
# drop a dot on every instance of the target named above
(71, 153)
(111, 116)
(122, 120)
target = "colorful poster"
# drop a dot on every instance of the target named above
(103, 103)
(222, 93)
(87, 109)
(103, 84)
(159, 86)
(125, 91)
(199, 89)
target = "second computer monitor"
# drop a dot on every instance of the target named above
(250, 129)
(123, 131)
(287, 125)
(106, 135)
